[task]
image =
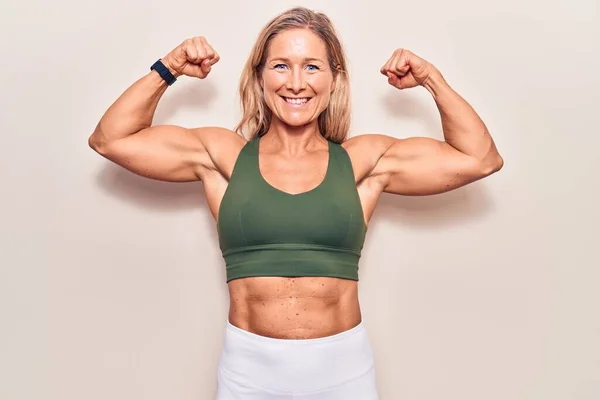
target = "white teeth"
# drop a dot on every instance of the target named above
(296, 101)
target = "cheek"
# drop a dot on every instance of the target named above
(322, 85)
(270, 88)
(272, 82)
(323, 88)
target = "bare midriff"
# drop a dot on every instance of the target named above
(294, 308)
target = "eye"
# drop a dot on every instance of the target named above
(312, 67)
(276, 66)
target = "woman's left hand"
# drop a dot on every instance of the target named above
(407, 70)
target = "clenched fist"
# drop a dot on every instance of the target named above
(406, 70)
(194, 57)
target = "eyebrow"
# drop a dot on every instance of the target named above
(308, 59)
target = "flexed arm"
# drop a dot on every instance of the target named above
(125, 134)
(423, 166)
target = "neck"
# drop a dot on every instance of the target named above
(293, 140)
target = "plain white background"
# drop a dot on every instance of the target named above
(112, 286)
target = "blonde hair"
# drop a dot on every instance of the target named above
(334, 122)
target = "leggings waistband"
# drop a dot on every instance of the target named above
(295, 365)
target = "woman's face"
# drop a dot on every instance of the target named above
(296, 79)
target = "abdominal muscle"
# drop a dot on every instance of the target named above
(294, 308)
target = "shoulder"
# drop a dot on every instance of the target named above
(365, 151)
(222, 146)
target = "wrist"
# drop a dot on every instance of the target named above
(164, 72)
(157, 80)
(435, 83)
(167, 64)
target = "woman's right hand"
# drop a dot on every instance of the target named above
(194, 57)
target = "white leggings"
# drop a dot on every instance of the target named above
(337, 367)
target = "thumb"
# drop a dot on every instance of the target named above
(393, 79)
(206, 67)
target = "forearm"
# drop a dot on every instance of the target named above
(132, 111)
(463, 128)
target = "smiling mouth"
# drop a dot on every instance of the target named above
(296, 101)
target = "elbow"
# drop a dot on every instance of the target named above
(500, 163)
(92, 142)
(97, 143)
(492, 164)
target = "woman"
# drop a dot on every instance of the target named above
(292, 202)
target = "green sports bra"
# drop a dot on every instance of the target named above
(264, 231)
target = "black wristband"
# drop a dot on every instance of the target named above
(164, 72)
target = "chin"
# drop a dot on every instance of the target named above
(296, 123)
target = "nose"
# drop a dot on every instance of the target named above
(296, 81)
